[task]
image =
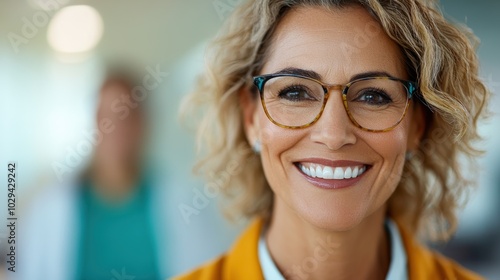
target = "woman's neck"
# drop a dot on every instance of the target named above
(114, 181)
(302, 251)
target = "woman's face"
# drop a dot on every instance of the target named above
(337, 45)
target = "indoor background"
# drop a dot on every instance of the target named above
(53, 56)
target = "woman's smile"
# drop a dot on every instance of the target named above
(330, 174)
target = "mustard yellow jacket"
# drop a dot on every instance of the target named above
(242, 262)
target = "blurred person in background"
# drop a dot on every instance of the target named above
(106, 224)
(359, 114)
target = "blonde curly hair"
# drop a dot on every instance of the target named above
(439, 56)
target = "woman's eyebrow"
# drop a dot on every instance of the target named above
(300, 72)
(317, 76)
(370, 74)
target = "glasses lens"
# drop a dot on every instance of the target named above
(377, 103)
(293, 101)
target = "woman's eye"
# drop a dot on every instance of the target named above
(373, 97)
(296, 94)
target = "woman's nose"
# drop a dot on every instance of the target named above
(334, 128)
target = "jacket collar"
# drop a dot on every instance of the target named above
(243, 260)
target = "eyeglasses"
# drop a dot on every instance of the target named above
(375, 104)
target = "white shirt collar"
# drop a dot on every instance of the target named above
(267, 265)
(397, 268)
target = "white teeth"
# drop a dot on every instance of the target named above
(362, 170)
(312, 171)
(305, 170)
(327, 173)
(337, 173)
(355, 172)
(348, 173)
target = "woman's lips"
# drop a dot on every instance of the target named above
(332, 174)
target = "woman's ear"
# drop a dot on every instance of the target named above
(248, 105)
(417, 127)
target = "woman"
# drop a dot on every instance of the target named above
(357, 112)
(105, 223)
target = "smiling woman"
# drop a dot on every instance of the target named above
(357, 113)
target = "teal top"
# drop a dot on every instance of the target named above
(117, 240)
